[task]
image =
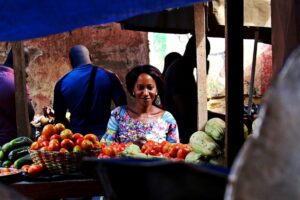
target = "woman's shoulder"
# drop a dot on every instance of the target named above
(167, 116)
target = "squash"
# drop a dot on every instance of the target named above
(203, 144)
(215, 128)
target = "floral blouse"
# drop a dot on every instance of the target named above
(122, 128)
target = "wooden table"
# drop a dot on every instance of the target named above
(59, 189)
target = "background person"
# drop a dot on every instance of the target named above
(181, 90)
(170, 58)
(87, 92)
(143, 120)
(8, 126)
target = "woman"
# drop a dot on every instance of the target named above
(144, 120)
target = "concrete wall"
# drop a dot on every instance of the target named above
(115, 49)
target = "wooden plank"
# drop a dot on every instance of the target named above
(234, 137)
(22, 116)
(199, 16)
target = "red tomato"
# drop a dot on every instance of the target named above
(109, 151)
(183, 151)
(55, 136)
(67, 144)
(63, 150)
(48, 131)
(79, 140)
(174, 149)
(34, 146)
(76, 136)
(92, 137)
(54, 145)
(165, 148)
(86, 145)
(35, 169)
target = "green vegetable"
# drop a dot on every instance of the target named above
(193, 157)
(15, 143)
(25, 160)
(6, 163)
(204, 144)
(132, 149)
(2, 156)
(246, 132)
(18, 153)
(215, 128)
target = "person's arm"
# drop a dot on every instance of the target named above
(112, 127)
(59, 107)
(172, 134)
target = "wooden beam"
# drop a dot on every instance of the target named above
(22, 117)
(199, 16)
(234, 137)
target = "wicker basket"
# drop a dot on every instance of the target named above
(60, 162)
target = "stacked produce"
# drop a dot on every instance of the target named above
(149, 150)
(15, 153)
(207, 145)
(60, 151)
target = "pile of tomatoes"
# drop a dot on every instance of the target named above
(166, 149)
(112, 150)
(58, 138)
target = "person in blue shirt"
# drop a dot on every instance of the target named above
(87, 92)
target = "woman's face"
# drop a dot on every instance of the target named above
(145, 90)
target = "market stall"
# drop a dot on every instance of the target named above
(234, 119)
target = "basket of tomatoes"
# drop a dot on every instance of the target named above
(60, 150)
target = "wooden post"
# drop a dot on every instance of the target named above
(234, 75)
(199, 18)
(22, 116)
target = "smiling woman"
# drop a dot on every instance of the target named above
(144, 119)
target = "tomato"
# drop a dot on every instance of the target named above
(48, 130)
(55, 136)
(66, 134)
(92, 137)
(34, 146)
(174, 149)
(54, 145)
(45, 143)
(86, 145)
(183, 151)
(25, 168)
(35, 169)
(79, 140)
(76, 136)
(109, 151)
(59, 127)
(67, 144)
(63, 150)
(165, 147)
(77, 148)
(41, 139)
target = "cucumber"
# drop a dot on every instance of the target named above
(25, 160)
(6, 163)
(18, 153)
(15, 143)
(2, 156)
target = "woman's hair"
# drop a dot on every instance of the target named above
(134, 73)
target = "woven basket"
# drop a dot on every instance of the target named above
(60, 162)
